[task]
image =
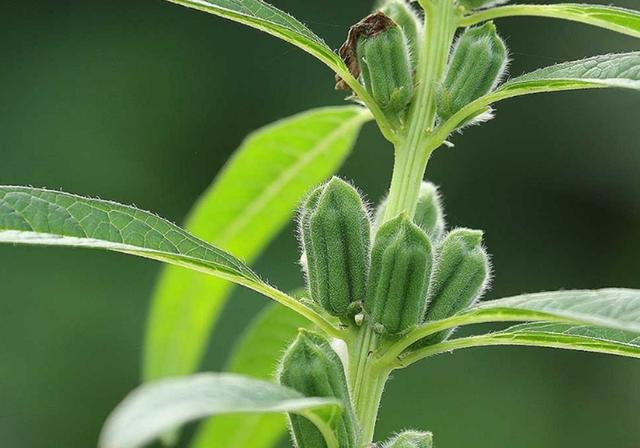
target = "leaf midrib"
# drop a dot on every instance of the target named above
(234, 227)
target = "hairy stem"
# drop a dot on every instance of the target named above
(367, 376)
(412, 152)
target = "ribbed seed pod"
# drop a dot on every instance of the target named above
(429, 214)
(311, 367)
(410, 439)
(401, 263)
(477, 64)
(386, 68)
(335, 232)
(409, 22)
(461, 276)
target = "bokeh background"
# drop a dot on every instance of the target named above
(143, 101)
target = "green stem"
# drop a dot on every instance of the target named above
(358, 358)
(414, 149)
(375, 379)
(367, 376)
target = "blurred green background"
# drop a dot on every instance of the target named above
(143, 101)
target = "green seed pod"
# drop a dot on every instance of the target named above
(429, 214)
(410, 439)
(335, 233)
(461, 276)
(478, 61)
(401, 263)
(409, 22)
(313, 368)
(476, 4)
(386, 68)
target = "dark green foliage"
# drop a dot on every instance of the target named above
(386, 69)
(335, 232)
(478, 61)
(429, 212)
(410, 439)
(409, 22)
(313, 368)
(401, 263)
(461, 276)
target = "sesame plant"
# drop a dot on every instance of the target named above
(384, 288)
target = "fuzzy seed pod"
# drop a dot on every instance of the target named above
(409, 22)
(410, 439)
(461, 276)
(386, 68)
(429, 214)
(478, 61)
(401, 263)
(335, 233)
(311, 367)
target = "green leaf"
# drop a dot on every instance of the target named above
(246, 206)
(153, 409)
(43, 217)
(585, 338)
(35, 216)
(255, 355)
(265, 17)
(611, 70)
(621, 20)
(568, 336)
(613, 309)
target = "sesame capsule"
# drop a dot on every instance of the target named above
(401, 263)
(314, 369)
(478, 61)
(386, 68)
(461, 276)
(335, 233)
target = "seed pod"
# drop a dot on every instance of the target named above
(386, 68)
(476, 4)
(335, 232)
(401, 263)
(461, 276)
(410, 439)
(478, 61)
(429, 214)
(407, 19)
(311, 367)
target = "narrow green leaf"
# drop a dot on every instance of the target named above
(573, 337)
(156, 408)
(621, 20)
(255, 355)
(246, 206)
(611, 70)
(541, 334)
(42, 217)
(613, 308)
